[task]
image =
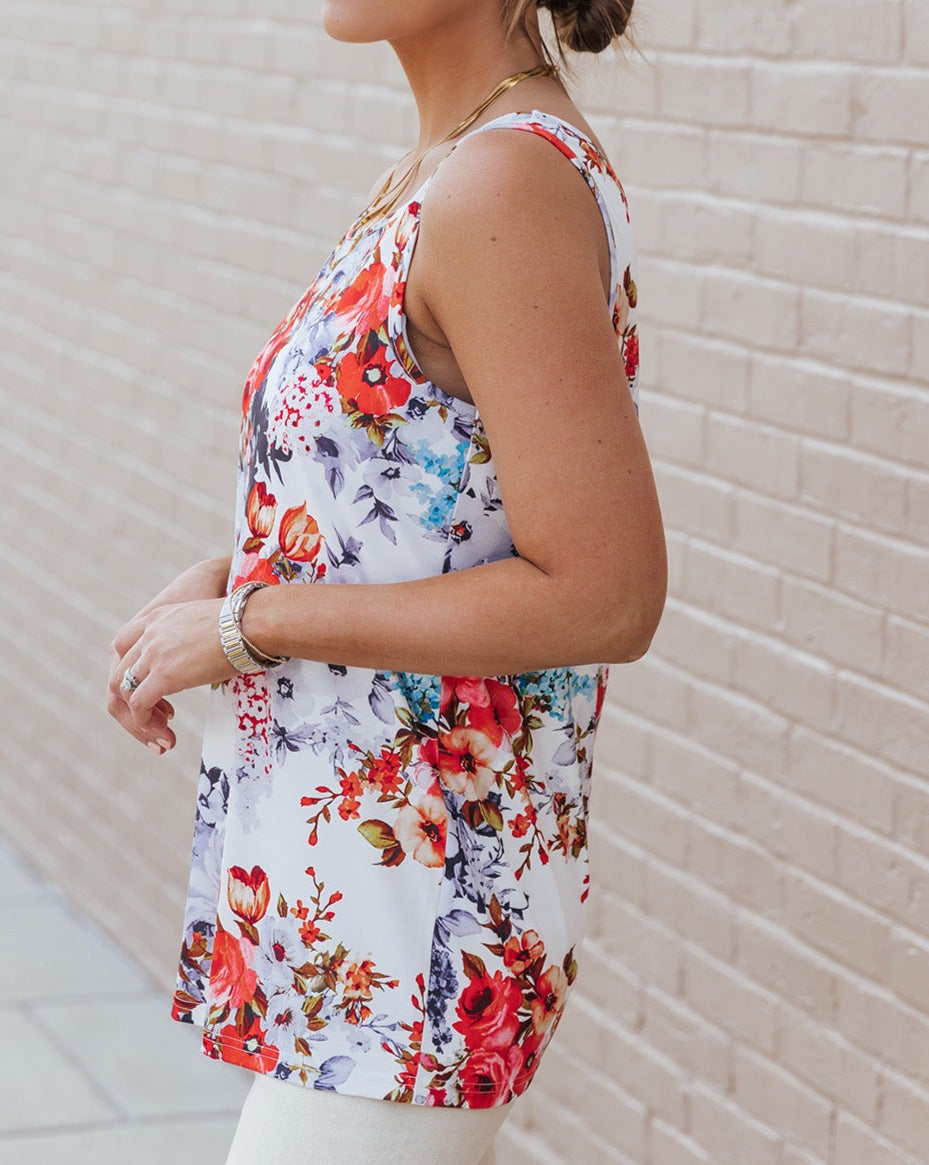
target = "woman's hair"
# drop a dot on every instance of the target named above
(583, 26)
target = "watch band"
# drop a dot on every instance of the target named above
(243, 655)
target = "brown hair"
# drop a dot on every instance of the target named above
(583, 26)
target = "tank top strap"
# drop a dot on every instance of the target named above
(583, 154)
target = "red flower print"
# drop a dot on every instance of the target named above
(487, 1011)
(232, 979)
(544, 133)
(487, 1077)
(421, 828)
(260, 513)
(521, 824)
(521, 951)
(365, 382)
(401, 235)
(367, 297)
(466, 759)
(631, 351)
(492, 707)
(249, 894)
(263, 362)
(254, 566)
(601, 692)
(384, 772)
(551, 986)
(531, 1049)
(299, 534)
(422, 771)
(278, 338)
(251, 1050)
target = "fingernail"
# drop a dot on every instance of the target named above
(165, 744)
(155, 747)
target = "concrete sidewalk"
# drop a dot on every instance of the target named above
(94, 1069)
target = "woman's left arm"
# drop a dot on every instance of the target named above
(508, 269)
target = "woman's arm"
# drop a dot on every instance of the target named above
(206, 579)
(507, 267)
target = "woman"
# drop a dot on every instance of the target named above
(390, 859)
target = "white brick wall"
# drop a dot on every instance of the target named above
(755, 984)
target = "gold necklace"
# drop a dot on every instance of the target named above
(377, 206)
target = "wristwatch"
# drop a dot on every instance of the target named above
(243, 656)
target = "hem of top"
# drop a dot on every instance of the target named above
(360, 1084)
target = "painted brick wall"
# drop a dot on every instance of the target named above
(755, 984)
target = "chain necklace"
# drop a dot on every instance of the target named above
(384, 200)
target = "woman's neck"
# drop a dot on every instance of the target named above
(454, 66)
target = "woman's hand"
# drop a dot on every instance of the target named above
(205, 580)
(174, 647)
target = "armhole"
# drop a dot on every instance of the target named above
(403, 235)
(401, 241)
(405, 230)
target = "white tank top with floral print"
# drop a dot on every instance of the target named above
(389, 870)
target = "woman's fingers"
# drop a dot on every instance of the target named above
(155, 732)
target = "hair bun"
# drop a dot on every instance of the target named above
(589, 26)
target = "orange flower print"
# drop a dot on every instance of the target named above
(356, 980)
(259, 513)
(520, 952)
(249, 894)
(629, 286)
(620, 312)
(365, 382)
(466, 759)
(551, 986)
(421, 828)
(299, 534)
(232, 979)
(350, 791)
(568, 832)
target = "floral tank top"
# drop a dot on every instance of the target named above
(389, 870)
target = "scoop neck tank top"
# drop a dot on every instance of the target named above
(389, 871)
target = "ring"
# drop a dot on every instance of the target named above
(130, 681)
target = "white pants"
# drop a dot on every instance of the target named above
(286, 1124)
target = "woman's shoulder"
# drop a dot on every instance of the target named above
(501, 178)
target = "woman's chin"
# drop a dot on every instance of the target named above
(343, 21)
